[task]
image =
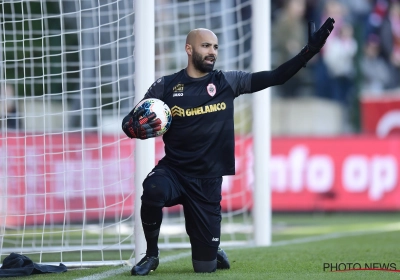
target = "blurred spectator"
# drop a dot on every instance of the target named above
(323, 79)
(378, 13)
(339, 57)
(8, 107)
(390, 38)
(289, 33)
(359, 11)
(336, 76)
(375, 72)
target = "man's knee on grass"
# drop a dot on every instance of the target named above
(204, 266)
(204, 258)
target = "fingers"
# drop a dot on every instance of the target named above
(146, 129)
(325, 34)
(143, 120)
(149, 132)
(311, 29)
(325, 30)
(152, 121)
(138, 113)
(147, 118)
(328, 24)
(151, 116)
(328, 27)
(149, 128)
(156, 126)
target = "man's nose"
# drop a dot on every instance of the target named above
(212, 51)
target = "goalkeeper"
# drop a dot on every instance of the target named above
(199, 146)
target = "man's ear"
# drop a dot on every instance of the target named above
(188, 49)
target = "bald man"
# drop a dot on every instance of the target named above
(202, 50)
(199, 146)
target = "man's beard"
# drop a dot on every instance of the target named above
(200, 64)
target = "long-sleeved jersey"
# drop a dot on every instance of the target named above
(200, 142)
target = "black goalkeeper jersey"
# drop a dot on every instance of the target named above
(200, 142)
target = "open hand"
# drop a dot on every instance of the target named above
(317, 39)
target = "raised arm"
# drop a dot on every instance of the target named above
(316, 40)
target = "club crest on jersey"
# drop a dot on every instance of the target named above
(211, 89)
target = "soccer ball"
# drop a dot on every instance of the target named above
(161, 109)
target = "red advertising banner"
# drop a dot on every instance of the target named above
(381, 115)
(323, 174)
(355, 173)
(47, 179)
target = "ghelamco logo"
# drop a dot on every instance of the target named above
(357, 266)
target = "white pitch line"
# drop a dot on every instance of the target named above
(124, 269)
(390, 227)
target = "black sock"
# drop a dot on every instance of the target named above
(151, 222)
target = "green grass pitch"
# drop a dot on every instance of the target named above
(302, 245)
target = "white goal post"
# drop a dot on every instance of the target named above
(68, 74)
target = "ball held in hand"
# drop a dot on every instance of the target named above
(150, 106)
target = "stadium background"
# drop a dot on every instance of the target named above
(334, 127)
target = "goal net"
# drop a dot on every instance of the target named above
(66, 80)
